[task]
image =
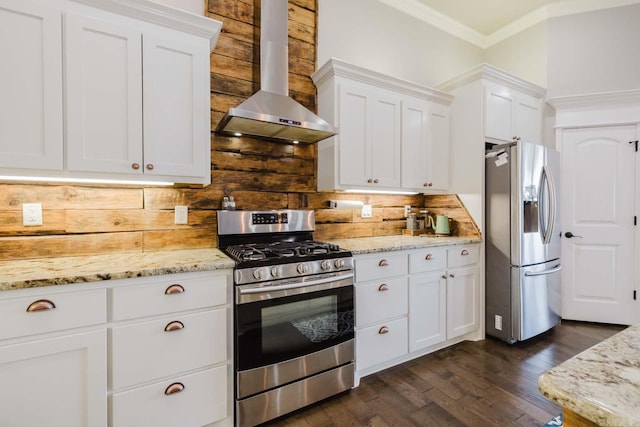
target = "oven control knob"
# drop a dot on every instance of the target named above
(276, 271)
(325, 265)
(339, 263)
(258, 274)
(303, 268)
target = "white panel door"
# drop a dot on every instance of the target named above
(438, 155)
(528, 118)
(385, 141)
(55, 382)
(498, 114)
(104, 96)
(462, 301)
(427, 310)
(176, 106)
(415, 143)
(30, 86)
(354, 119)
(598, 175)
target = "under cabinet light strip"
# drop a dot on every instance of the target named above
(83, 180)
(363, 190)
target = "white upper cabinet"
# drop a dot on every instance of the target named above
(511, 115)
(30, 86)
(369, 120)
(425, 145)
(136, 91)
(392, 134)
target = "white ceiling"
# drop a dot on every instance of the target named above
(486, 16)
(486, 22)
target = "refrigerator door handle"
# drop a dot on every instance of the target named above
(544, 272)
(546, 180)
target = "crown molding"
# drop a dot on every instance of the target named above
(596, 100)
(160, 14)
(494, 74)
(335, 67)
(431, 16)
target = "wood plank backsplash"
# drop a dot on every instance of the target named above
(259, 174)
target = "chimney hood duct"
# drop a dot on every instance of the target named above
(270, 113)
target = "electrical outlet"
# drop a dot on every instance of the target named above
(31, 214)
(367, 211)
(181, 215)
(498, 322)
(407, 210)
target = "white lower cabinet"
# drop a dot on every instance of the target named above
(185, 400)
(169, 351)
(150, 351)
(420, 301)
(53, 358)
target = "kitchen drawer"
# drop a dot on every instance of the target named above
(428, 259)
(72, 310)
(458, 256)
(202, 401)
(156, 298)
(380, 266)
(145, 351)
(379, 300)
(374, 345)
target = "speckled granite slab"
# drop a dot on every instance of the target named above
(19, 274)
(602, 384)
(369, 245)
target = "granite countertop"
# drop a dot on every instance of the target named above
(601, 384)
(369, 245)
(31, 273)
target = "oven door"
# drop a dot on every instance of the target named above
(284, 320)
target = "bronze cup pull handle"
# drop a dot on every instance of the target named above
(383, 330)
(383, 287)
(176, 325)
(383, 263)
(174, 289)
(41, 305)
(464, 252)
(429, 257)
(174, 388)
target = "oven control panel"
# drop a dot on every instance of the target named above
(270, 218)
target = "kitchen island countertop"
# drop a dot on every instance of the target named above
(601, 385)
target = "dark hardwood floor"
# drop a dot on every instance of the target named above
(484, 383)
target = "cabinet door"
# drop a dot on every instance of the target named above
(427, 310)
(528, 118)
(176, 106)
(104, 96)
(55, 382)
(354, 118)
(415, 144)
(462, 301)
(385, 135)
(499, 109)
(30, 86)
(438, 155)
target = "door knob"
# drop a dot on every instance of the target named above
(569, 235)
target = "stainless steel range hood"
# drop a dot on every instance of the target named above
(270, 113)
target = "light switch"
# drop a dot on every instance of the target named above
(181, 215)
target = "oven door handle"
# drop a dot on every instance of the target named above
(318, 282)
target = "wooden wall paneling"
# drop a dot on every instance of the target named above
(100, 221)
(12, 196)
(53, 222)
(69, 245)
(156, 240)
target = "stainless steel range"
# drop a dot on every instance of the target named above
(293, 313)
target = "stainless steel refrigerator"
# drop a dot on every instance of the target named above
(522, 240)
